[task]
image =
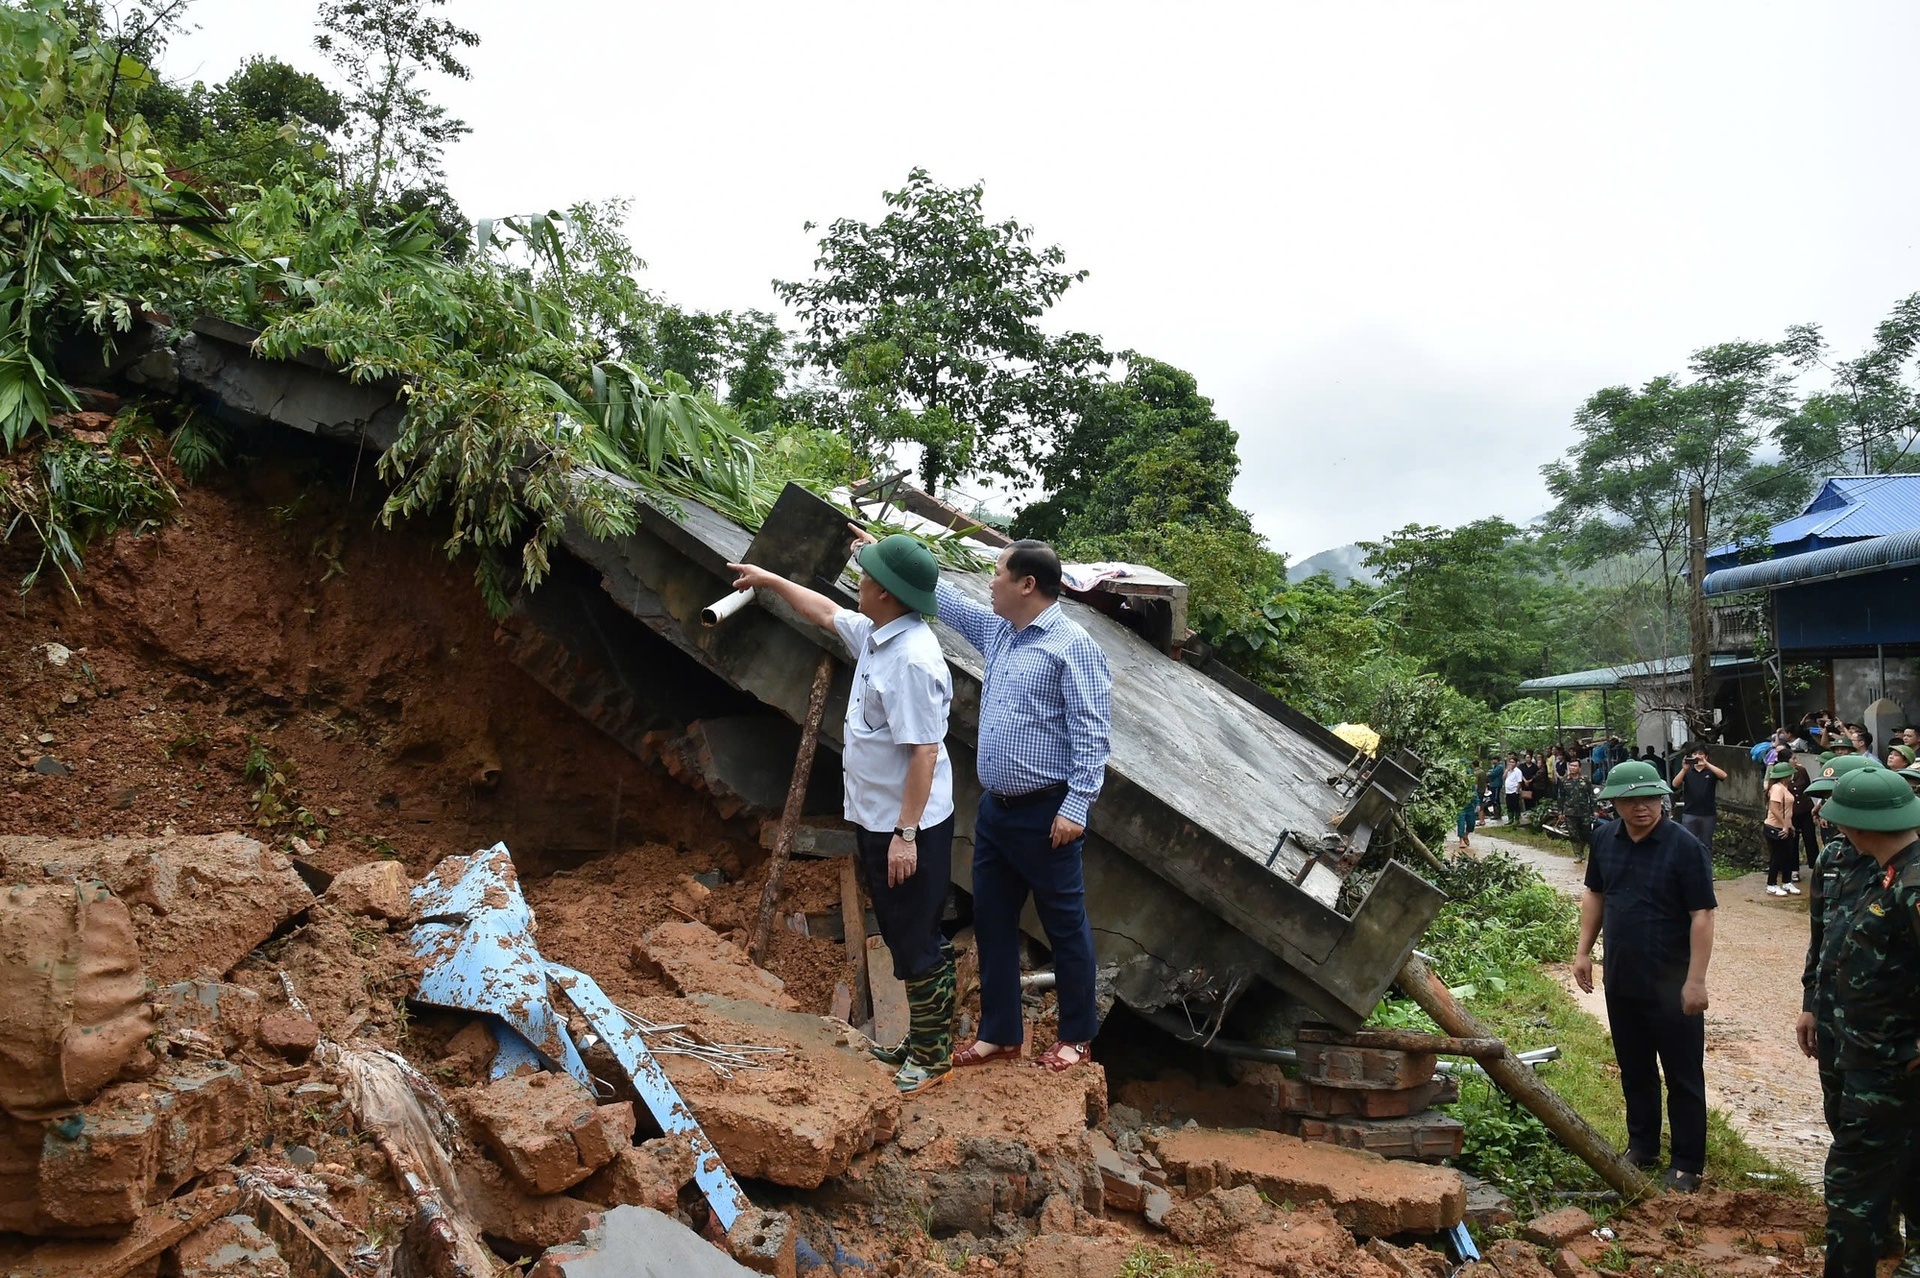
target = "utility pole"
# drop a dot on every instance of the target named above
(1698, 709)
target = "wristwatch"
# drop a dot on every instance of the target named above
(906, 833)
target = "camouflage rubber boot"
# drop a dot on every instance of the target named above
(930, 1001)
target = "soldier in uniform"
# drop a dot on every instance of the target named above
(1875, 1019)
(1838, 874)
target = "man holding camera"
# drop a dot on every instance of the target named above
(1697, 783)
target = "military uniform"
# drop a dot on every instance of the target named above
(1875, 1020)
(1840, 874)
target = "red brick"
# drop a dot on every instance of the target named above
(1558, 1228)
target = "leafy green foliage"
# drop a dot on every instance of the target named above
(1151, 1262)
(929, 322)
(395, 134)
(1147, 451)
(1869, 416)
(265, 116)
(70, 493)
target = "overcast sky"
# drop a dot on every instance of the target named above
(1397, 243)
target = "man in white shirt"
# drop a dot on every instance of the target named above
(899, 781)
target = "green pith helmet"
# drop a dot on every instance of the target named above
(1912, 775)
(1826, 757)
(1780, 772)
(1904, 751)
(1873, 799)
(905, 569)
(1843, 745)
(1634, 780)
(1839, 767)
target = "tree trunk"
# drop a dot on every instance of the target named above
(1699, 693)
(1520, 1082)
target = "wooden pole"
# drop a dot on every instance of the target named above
(1425, 852)
(1520, 1082)
(853, 918)
(1478, 1049)
(796, 799)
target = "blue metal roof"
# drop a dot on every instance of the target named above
(1877, 554)
(1617, 676)
(1847, 508)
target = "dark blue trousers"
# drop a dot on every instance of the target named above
(1014, 857)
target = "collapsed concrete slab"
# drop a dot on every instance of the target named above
(691, 958)
(637, 1242)
(1216, 856)
(1368, 1194)
(199, 903)
(231, 1247)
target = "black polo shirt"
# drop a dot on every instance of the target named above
(1652, 889)
(1698, 791)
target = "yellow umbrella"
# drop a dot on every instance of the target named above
(1359, 736)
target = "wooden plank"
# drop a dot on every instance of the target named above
(304, 1253)
(796, 799)
(853, 918)
(891, 1017)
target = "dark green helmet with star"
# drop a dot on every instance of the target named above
(1634, 780)
(1873, 799)
(1839, 767)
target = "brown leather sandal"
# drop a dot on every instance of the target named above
(972, 1055)
(1054, 1058)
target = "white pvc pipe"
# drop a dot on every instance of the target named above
(718, 611)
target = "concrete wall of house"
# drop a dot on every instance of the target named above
(1858, 682)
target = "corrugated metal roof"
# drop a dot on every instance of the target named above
(1845, 508)
(1901, 550)
(1616, 676)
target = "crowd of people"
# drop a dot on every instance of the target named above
(1852, 819)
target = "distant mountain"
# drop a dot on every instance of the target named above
(1344, 563)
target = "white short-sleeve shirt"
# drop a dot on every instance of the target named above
(902, 691)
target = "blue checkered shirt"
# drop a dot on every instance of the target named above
(1047, 704)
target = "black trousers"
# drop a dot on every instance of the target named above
(1783, 854)
(909, 915)
(1652, 1040)
(1809, 837)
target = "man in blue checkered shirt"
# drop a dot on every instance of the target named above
(1044, 714)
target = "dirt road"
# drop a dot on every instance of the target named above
(1755, 1073)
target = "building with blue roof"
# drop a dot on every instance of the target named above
(1847, 508)
(1838, 588)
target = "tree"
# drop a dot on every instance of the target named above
(395, 133)
(1146, 451)
(1469, 603)
(1870, 414)
(929, 320)
(236, 133)
(1624, 487)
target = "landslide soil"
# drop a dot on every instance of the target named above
(272, 620)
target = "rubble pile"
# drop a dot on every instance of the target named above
(217, 1059)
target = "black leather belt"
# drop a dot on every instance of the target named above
(1052, 794)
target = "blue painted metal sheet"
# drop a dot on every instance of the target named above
(1881, 608)
(475, 941)
(723, 1193)
(1877, 554)
(475, 944)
